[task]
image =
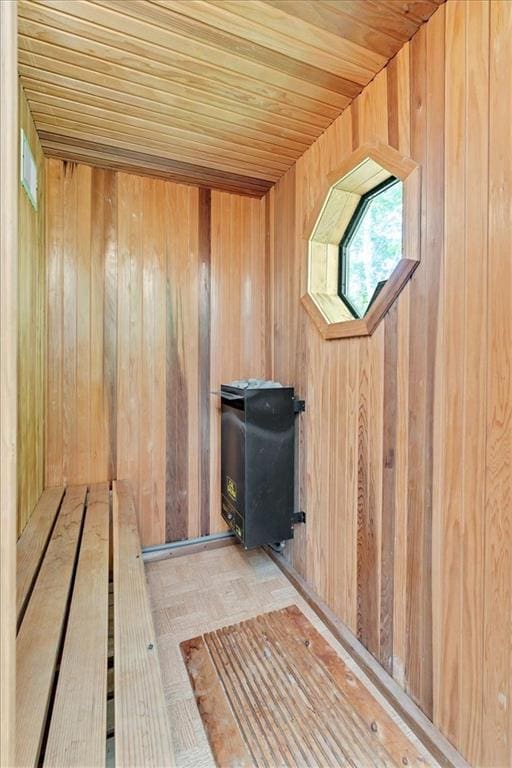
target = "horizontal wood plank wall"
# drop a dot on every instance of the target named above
(406, 440)
(151, 285)
(31, 330)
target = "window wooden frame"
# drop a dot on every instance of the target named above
(367, 167)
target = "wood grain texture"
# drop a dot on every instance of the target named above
(296, 702)
(224, 94)
(405, 454)
(404, 450)
(213, 705)
(141, 333)
(418, 661)
(204, 237)
(185, 401)
(32, 543)
(31, 329)
(82, 309)
(141, 727)
(8, 373)
(145, 281)
(497, 591)
(238, 310)
(241, 585)
(38, 641)
(391, 691)
(76, 735)
(66, 641)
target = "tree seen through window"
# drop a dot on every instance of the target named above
(372, 245)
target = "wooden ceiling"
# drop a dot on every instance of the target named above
(224, 93)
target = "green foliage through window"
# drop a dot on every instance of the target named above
(371, 246)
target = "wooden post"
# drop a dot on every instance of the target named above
(8, 338)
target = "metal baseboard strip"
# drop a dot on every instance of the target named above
(187, 547)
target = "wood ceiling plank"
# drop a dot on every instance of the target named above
(80, 136)
(264, 25)
(44, 80)
(377, 16)
(153, 170)
(96, 95)
(141, 69)
(81, 128)
(56, 116)
(419, 10)
(103, 155)
(243, 88)
(232, 101)
(319, 16)
(96, 72)
(154, 49)
(176, 17)
(144, 126)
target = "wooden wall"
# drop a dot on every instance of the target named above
(406, 441)
(156, 294)
(8, 401)
(31, 330)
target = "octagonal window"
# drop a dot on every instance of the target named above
(371, 246)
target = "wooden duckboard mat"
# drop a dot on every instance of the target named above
(272, 692)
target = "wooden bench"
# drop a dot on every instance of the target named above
(88, 683)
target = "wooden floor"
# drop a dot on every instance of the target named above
(201, 592)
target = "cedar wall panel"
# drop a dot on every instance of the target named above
(406, 443)
(156, 294)
(31, 327)
(238, 308)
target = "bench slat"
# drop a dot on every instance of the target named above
(38, 640)
(142, 735)
(78, 723)
(32, 543)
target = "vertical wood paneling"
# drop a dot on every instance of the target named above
(388, 487)
(238, 310)
(8, 378)
(404, 449)
(103, 322)
(403, 107)
(497, 688)
(54, 346)
(422, 524)
(452, 395)
(129, 351)
(81, 276)
(475, 373)
(135, 345)
(204, 225)
(417, 576)
(31, 327)
(151, 397)
(183, 274)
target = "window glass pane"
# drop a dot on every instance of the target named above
(375, 247)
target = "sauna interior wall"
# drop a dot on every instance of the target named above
(31, 330)
(406, 441)
(156, 294)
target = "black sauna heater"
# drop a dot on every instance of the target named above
(258, 462)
